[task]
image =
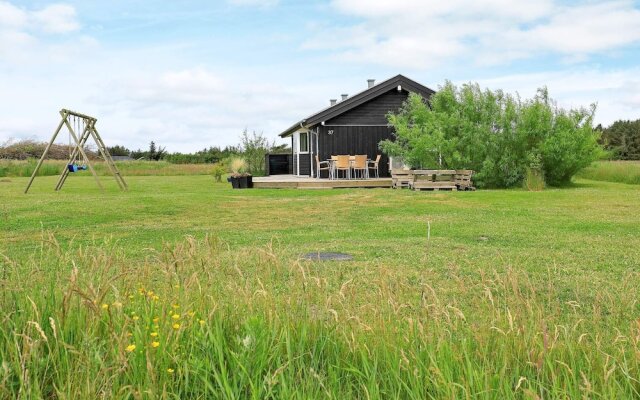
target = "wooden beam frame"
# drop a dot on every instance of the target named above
(89, 131)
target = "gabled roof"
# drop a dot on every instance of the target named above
(359, 99)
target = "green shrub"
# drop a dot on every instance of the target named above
(218, 172)
(495, 134)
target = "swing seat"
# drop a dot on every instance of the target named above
(76, 168)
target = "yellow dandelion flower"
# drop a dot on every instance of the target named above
(135, 318)
(154, 334)
(129, 334)
(156, 298)
(176, 326)
(176, 286)
(202, 322)
(130, 348)
(176, 306)
(105, 306)
(191, 314)
(150, 292)
(155, 344)
(170, 370)
(175, 316)
(156, 319)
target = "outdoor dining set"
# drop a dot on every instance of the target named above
(348, 166)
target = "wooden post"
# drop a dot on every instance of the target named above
(107, 157)
(44, 155)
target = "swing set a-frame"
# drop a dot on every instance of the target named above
(87, 126)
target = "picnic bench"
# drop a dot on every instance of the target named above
(432, 179)
(401, 178)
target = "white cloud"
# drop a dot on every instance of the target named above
(615, 92)
(422, 34)
(182, 109)
(26, 35)
(56, 18)
(11, 16)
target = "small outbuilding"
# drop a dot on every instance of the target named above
(353, 125)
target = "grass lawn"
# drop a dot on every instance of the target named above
(514, 294)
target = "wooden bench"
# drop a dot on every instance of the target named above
(401, 178)
(434, 179)
(463, 179)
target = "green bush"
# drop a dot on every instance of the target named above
(495, 134)
(218, 172)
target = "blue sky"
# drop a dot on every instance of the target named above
(192, 74)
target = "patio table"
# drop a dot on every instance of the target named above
(332, 163)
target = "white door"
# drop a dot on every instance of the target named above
(301, 149)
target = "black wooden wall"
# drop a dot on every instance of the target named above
(358, 131)
(354, 140)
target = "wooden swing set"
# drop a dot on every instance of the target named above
(86, 125)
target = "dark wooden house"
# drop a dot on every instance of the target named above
(353, 125)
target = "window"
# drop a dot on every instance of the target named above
(303, 143)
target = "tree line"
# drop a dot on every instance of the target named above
(253, 148)
(621, 139)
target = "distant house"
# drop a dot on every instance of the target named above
(353, 125)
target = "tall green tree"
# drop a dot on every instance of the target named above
(496, 134)
(255, 147)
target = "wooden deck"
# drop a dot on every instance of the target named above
(302, 182)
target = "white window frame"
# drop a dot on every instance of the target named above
(300, 142)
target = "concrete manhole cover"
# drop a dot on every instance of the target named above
(327, 257)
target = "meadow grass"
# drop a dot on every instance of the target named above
(24, 168)
(515, 294)
(613, 171)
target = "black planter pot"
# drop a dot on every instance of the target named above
(241, 182)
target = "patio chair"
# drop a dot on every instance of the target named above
(342, 163)
(323, 166)
(360, 165)
(374, 165)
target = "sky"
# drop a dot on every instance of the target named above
(192, 74)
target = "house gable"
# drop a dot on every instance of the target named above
(373, 112)
(399, 83)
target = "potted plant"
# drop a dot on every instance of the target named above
(240, 178)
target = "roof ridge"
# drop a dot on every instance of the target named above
(355, 99)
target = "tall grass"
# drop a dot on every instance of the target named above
(613, 171)
(13, 168)
(198, 320)
(533, 180)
